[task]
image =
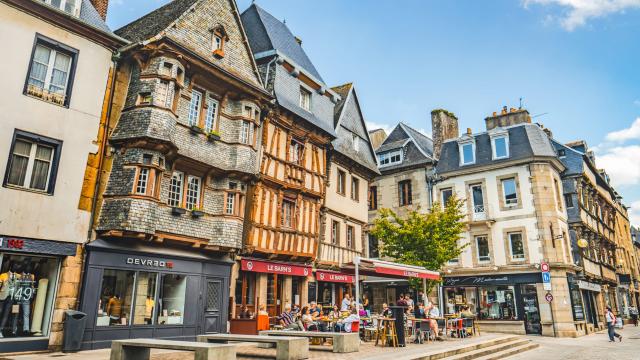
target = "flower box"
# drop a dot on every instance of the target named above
(213, 136)
(195, 129)
(197, 213)
(178, 210)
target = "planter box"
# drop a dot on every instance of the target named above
(178, 210)
(213, 137)
(195, 129)
(197, 213)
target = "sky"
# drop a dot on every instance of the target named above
(574, 63)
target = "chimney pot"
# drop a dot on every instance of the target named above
(101, 6)
(495, 113)
(504, 110)
(469, 131)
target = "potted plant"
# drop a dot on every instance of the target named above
(178, 210)
(213, 135)
(195, 129)
(197, 212)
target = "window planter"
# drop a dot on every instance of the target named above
(213, 136)
(178, 211)
(197, 213)
(195, 129)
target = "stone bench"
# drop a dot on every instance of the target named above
(140, 349)
(342, 342)
(287, 347)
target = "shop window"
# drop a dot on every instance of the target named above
(459, 297)
(516, 246)
(335, 232)
(510, 192)
(373, 197)
(288, 208)
(27, 294)
(245, 291)
(355, 188)
(350, 236)
(342, 178)
(482, 248)
(404, 192)
(497, 303)
(173, 289)
(145, 303)
(116, 295)
(296, 151)
(33, 163)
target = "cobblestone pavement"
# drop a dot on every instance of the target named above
(591, 347)
(251, 351)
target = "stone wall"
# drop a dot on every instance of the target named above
(66, 297)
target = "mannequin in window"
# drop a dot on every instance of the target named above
(8, 283)
(148, 310)
(114, 309)
(23, 295)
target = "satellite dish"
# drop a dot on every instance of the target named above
(582, 243)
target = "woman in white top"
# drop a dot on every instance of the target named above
(307, 320)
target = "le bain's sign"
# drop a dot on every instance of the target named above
(275, 268)
(330, 276)
(149, 263)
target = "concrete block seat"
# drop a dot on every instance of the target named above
(287, 347)
(342, 342)
(140, 349)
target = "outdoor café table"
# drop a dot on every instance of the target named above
(385, 333)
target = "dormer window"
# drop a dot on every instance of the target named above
(305, 99)
(500, 147)
(467, 153)
(70, 6)
(390, 158)
(218, 39)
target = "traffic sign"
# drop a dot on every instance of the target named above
(544, 267)
(548, 297)
(546, 277)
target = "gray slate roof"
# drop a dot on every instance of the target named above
(155, 21)
(525, 141)
(417, 148)
(89, 15)
(268, 33)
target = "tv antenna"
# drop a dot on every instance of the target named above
(521, 98)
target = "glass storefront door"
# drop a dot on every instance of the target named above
(531, 309)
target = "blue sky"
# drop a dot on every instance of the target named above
(575, 63)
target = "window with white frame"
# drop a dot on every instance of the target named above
(234, 200)
(516, 246)
(33, 162)
(211, 115)
(500, 146)
(194, 107)
(467, 153)
(482, 248)
(296, 150)
(229, 208)
(389, 158)
(175, 189)
(288, 207)
(51, 71)
(305, 98)
(143, 179)
(510, 192)
(192, 200)
(147, 177)
(246, 132)
(69, 6)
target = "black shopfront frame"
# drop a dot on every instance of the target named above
(202, 272)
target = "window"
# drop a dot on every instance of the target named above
(568, 200)
(500, 147)
(404, 192)
(234, 200)
(144, 312)
(342, 178)
(389, 158)
(115, 307)
(335, 232)
(516, 246)
(51, 71)
(218, 39)
(350, 237)
(70, 6)
(193, 193)
(373, 198)
(33, 162)
(482, 248)
(288, 207)
(175, 189)
(245, 291)
(445, 195)
(229, 208)
(173, 291)
(556, 188)
(562, 153)
(163, 94)
(143, 179)
(477, 199)
(467, 154)
(355, 188)
(217, 42)
(305, 99)
(374, 252)
(194, 108)
(454, 261)
(497, 303)
(510, 192)
(246, 132)
(211, 115)
(145, 98)
(166, 69)
(296, 150)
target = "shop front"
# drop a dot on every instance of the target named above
(134, 290)
(506, 302)
(331, 288)
(29, 276)
(591, 295)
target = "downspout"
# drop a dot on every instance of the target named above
(266, 78)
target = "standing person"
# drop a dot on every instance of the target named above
(401, 301)
(346, 301)
(611, 325)
(408, 300)
(365, 302)
(633, 311)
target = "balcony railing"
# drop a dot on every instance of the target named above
(331, 253)
(479, 213)
(46, 95)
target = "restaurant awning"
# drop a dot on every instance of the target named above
(389, 269)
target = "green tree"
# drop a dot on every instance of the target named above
(424, 239)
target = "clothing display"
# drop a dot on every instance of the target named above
(17, 292)
(114, 308)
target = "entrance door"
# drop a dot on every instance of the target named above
(531, 310)
(213, 306)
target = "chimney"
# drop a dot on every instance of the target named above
(101, 6)
(298, 40)
(444, 126)
(507, 117)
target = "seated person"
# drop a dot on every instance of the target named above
(307, 320)
(335, 313)
(466, 313)
(345, 324)
(316, 314)
(434, 312)
(245, 313)
(288, 319)
(386, 312)
(420, 312)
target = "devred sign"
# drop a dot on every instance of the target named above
(275, 268)
(331, 276)
(406, 273)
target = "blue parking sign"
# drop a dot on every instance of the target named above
(546, 277)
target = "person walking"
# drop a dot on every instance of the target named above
(633, 311)
(611, 325)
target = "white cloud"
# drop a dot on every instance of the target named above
(373, 126)
(634, 213)
(579, 11)
(630, 133)
(622, 163)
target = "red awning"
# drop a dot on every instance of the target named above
(390, 269)
(333, 276)
(275, 267)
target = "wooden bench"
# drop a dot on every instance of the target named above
(140, 349)
(287, 347)
(342, 342)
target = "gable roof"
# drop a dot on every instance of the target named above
(268, 33)
(154, 22)
(417, 148)
(343, 91)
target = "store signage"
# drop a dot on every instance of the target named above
(585, 285)
(275, 268)
(330, 276)
(505, 279)
(149, 263)
(407, 273)
(11, 243)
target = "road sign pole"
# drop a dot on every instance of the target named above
(549, 298)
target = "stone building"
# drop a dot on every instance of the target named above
(343, 225)
(182, 130)
(600, 237)
(282, 235)
(56, 72)
(509, 178)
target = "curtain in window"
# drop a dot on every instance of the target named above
(39, 66)
(41, 168)
(19, 161)
(59, 73)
